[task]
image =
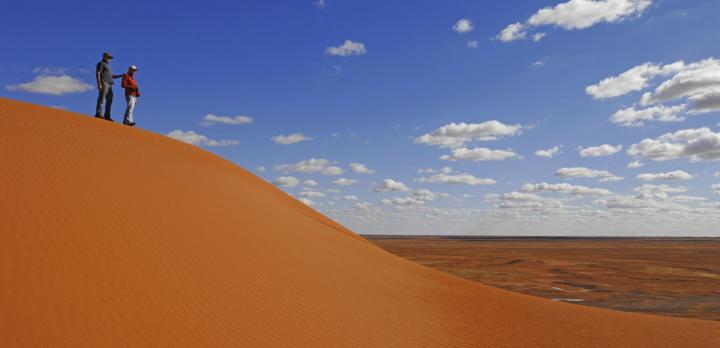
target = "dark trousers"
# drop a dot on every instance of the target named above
(105, 93)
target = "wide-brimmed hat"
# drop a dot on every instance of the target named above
(107, 54)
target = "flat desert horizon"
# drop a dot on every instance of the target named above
(117, 236)
(673, 276)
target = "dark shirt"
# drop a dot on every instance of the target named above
(103, 68)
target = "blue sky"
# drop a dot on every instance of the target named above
(364, 81)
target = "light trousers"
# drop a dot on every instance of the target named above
(131, 100)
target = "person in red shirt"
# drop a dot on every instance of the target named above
(132, 92)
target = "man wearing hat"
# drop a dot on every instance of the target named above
(131, 94)
(104, 77)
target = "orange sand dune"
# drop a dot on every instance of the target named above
(114, 236)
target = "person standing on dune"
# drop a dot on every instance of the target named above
(104, 78)
(132, 92)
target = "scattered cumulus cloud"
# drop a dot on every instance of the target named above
(196, 139)
(290, 139)
(310, 166)
(286, 181)
(564, 188)
(310, 182)
(635, 79)
(210, 119)
(549, 153)
(538, 36)
(456, 179)
(361, 168)
(575, 15)
(635, 164)
(632, 117)
(390, 185)
(459, 134)
(600, 151)
(479, 154)
(463, 26)
(347, 48)
(52, 85)
(688, 89)
(472, 44)
(582, 172)
(674, 175)
(512, 32)
(695, 144)
(345, 182)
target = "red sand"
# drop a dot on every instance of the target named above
(115, 236)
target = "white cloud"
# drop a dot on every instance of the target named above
(402, 201)
(635, 164)
(290, 139)
(390, 185)
(350, 198)
(472, 44)
(512, 32)
(576, 14)
(286, 181)
(674, 175)
(538, 36)
(463, 26)
(463, 179)
(312, 165)
(549, 153)
(538, 63)
(445, 169)
(261, 169)
(581, 14)
(310, 182)
(427, 195)
(599, 151)
(716, 189)
(52, 85)
(631, 117)
(696, 86)
(717, 174)
(345, 182)
(696, 144)
(564, 188)
(319, 3)
(196, 139)
(458, 134)
(635, 79)
(306, 201)
(699, 81)
(308, 193)
(361, 168)
(231, 120)
(648, 191)
(348, 48)
(479, 154)
(582, 172)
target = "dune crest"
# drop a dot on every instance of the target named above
(113, 236)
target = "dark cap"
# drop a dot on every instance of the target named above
(107, 54)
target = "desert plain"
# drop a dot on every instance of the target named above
(667, 276)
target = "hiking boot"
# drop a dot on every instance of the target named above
(130, 124)
(98, 116)
(109, 119)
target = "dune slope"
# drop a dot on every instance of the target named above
(114, 236)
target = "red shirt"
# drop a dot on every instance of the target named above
(131, 87)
